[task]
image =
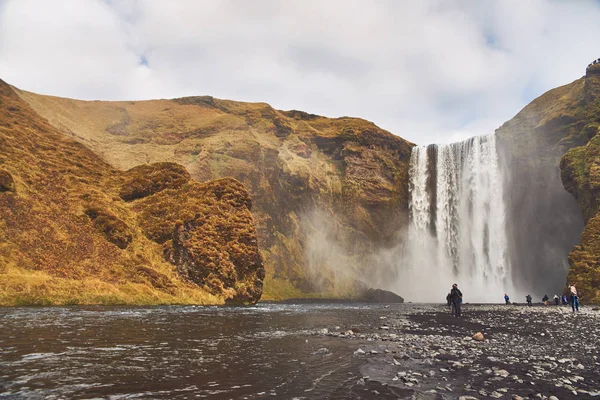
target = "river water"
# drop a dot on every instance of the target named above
(265, 351)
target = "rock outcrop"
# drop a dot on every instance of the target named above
(580, 171)
(74, 230)
(550, 146)
(328, 193)
(381, 296)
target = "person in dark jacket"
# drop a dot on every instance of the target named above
(456, 296)
(545, 299)
(449, 301)
(506, 298)
(528, 298)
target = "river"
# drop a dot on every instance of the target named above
(265, 351)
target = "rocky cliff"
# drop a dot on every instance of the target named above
(546, 222)
(74, 230)
(328, 194)
(580, 171)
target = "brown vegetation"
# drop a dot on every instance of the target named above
(67, 237)
(302, 171)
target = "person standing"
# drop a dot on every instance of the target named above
(564, 300)
(506, 298)
(449, 301)
(545, 299)
(456, 296)
(556, 299)
(528, 298)
(574, 298)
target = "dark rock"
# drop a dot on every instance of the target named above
(381, 296)
(7, 183)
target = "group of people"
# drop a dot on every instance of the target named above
(573, 298)
(454, 300)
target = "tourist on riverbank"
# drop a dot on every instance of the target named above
(528, 298)
(574, 298)
(556, 299)
(449, 301)
(456, 296)
(506, 299)
(545, 299)
(564, 300)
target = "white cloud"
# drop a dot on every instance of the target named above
(429, 71)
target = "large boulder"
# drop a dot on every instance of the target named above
(381, 296)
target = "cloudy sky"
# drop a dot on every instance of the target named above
(429, 71)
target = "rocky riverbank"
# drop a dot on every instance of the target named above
(527, 352)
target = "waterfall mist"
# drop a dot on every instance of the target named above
(457, 231)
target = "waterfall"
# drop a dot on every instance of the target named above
(457, 230)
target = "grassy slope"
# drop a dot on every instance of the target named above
(307, 175)
(66, 237)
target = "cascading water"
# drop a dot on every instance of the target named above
(457, 230)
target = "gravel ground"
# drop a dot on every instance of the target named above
(528, 352)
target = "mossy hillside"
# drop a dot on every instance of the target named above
(300, 169)
(208, 232)
(66, 236)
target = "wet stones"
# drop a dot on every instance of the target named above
(513, 360)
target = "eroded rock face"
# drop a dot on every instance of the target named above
(580, 172)
(208, 234)
(544, 220)
(552, 145)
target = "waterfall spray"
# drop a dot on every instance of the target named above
(457, 230)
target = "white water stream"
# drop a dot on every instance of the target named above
(457, 229)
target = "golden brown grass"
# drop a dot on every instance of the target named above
(24, 287)
(67, 236)
(286, 160)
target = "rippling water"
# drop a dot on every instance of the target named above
(266, 351)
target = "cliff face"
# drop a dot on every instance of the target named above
(563, 121)
(328, 193)
(73, 230)
(580, 171)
